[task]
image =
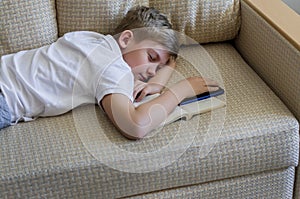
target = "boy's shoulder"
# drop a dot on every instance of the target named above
(83, 34)
(91, 38)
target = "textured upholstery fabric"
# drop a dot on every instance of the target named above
(273, 58)
(95, 15)
(26, 24)
(254, 156)
(46, 158)
(203, 20)
(241, 187)
(297, 183)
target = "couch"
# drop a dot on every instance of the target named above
(247, 149)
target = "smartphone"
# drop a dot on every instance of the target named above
(202, 96)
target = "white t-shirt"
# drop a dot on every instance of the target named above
(79, 68)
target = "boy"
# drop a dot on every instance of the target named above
(87, 67)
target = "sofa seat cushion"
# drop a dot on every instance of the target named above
(50, 157)
(255, 185)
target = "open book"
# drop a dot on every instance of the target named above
(190, 107)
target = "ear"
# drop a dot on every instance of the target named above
(125, 38)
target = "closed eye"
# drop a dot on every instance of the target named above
(152, 56)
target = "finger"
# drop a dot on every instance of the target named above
(142, 95)
(136, 92)
(145, 91)
(138, 88)
(213, 88)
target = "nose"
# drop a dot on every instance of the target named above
(152, 70)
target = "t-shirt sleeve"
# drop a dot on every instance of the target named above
(116, 78)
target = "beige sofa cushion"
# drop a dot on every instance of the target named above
(26, 24)
(47, 158)
(94, 15)
(203, 20)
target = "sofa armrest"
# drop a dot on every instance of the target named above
(269, 40)
(271, 46)
(281, 17)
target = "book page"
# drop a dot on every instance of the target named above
(202, 106)
(177, 114)
(187, 111)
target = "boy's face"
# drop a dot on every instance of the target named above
(145, 58)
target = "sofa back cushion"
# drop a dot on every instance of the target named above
(203, 20)
(95, 15)
(31, 24)
(26, 24)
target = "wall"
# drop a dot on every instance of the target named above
(294, 4)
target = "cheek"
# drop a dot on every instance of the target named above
(135, 59)
(137, 69)
(130, 60)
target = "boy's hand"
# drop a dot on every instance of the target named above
(193, 86)
(202, 85)
(142, 89)
(189, 87)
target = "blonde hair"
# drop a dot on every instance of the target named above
(149, 23)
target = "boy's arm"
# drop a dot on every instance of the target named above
(135, 123)
(156, 83)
